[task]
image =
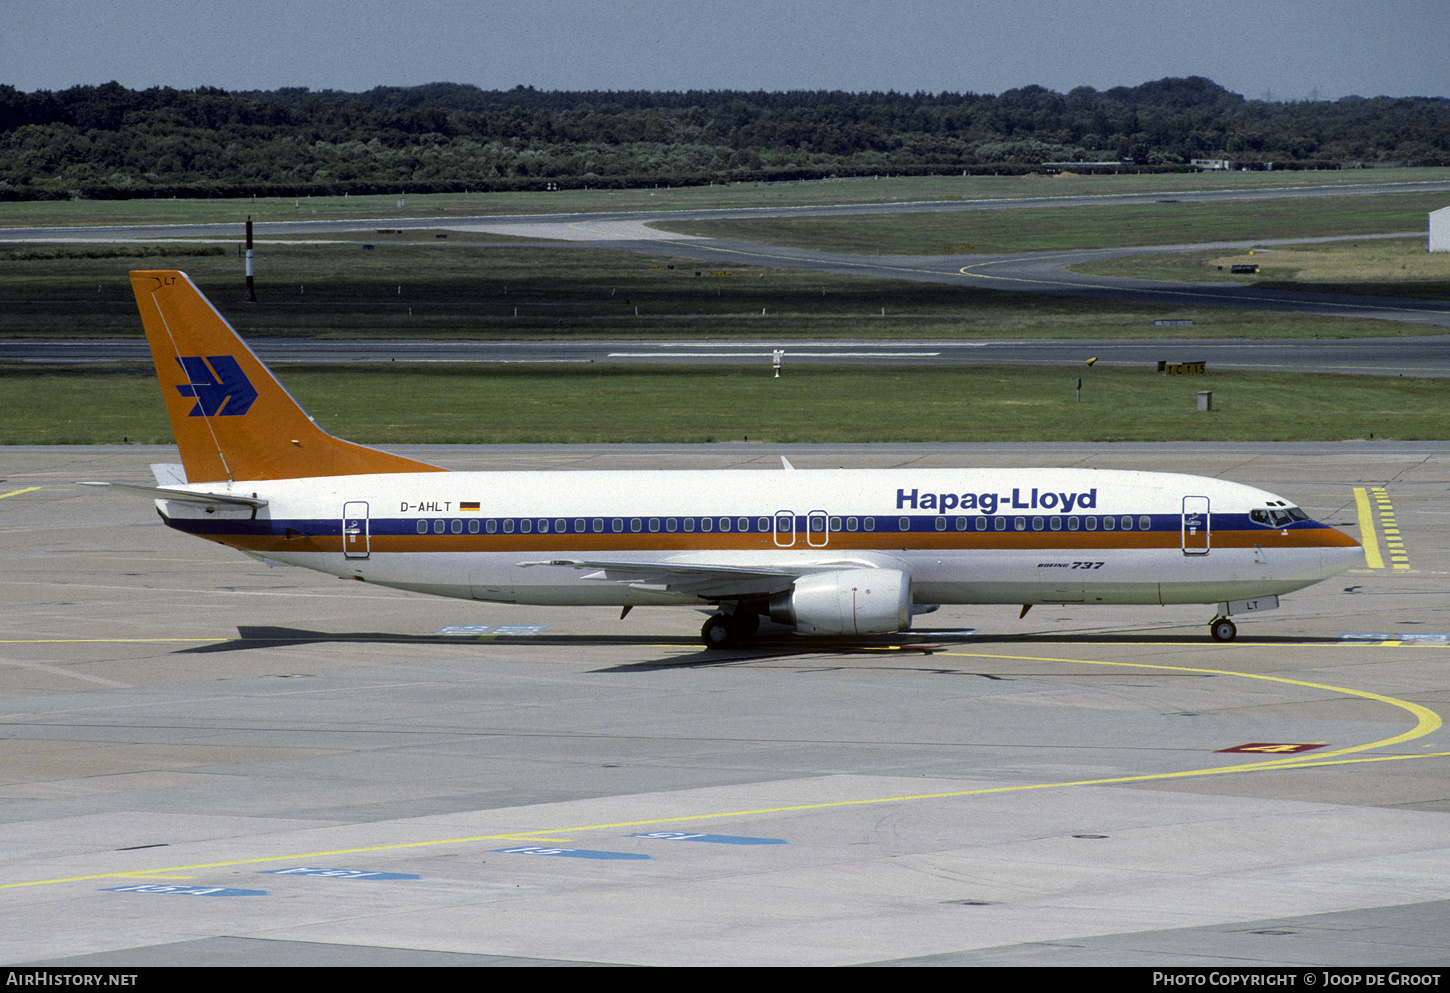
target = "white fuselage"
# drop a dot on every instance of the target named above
(961, 536)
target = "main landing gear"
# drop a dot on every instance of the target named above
(1222, 629)
(727, 630)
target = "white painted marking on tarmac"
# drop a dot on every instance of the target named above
(185, 890)
(478, 630)
(1410, 637)
(56, 670)
(760, 355)
(829, 343)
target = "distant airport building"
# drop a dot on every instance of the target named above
(1212, 165)
(1440, 230)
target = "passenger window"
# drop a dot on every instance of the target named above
(634, 524)
(1055, 523)
(525, 525)
(561, 526)
(598, 525)
(1037, 524)
(1020, 524)
(1127, 523)
(835, 524)
(705, 523)
(671, 524)
(617, 525)
(456, 527)
(904, 524)
(508, 525)
(850, 524)
(689, 524)
(743, 525)
(868, 523)
(654, 524)
(473, 526)
(1107, 523)
(543, 527)
(724, 524)
(492, 526)
(1000, 523)
(941, 523)
(438, 527)
(1072, 523)
(981, 523)
(1145, 523)
(422, 527)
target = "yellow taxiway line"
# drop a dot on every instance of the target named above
(1368, 534)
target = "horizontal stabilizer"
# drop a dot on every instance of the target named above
(186, 496)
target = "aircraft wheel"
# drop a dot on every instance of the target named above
(718, 632)
(1222, 629)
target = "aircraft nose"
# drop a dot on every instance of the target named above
(1338, 555)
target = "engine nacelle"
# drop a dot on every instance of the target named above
(849, 601)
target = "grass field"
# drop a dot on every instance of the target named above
(522, 404)
(1054, 228)
(848, 190)
(1397, 267)
(416, 286)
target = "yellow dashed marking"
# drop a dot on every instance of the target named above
(28, 489)
(1376, 518)
(1390, 528)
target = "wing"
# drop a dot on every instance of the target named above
(709, 582)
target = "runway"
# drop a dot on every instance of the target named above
(1427, 356)
(212, 762)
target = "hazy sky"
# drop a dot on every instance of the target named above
(1292, 49)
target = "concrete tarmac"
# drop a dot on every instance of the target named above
(210, 762)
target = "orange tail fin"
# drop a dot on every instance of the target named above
(232, 419)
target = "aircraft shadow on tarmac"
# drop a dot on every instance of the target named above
(767, 646)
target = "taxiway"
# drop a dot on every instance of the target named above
(212, 762)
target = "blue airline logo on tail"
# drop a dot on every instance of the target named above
(219, 385)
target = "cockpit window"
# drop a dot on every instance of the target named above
(1277, 517)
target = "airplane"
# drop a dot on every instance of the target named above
(827, 552)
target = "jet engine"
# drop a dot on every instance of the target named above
(848, 601)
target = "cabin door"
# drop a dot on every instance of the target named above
(784, 528)
(1195, 525)
(356, 536)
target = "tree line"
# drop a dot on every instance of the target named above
(110, 141)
